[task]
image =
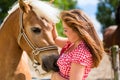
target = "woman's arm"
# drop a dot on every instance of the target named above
(60, 41)
(56, 76)
(76, 71)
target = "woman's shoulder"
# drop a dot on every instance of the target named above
(83, 47)
(82, 55)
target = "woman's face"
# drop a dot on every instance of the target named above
(72, 35)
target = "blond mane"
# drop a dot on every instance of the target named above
(46, 10)
(42, 9)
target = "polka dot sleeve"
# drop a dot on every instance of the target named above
(82, 56)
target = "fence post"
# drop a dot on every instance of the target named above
(115, 61)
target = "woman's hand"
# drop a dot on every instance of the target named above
(57, 76)
(53, 76)
(54, 32)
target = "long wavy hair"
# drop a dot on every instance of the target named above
(79, 22)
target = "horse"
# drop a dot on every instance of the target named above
(110, 35)
(28, 27)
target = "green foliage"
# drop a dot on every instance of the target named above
(60, 29)
(65, 4)
(106, 12)
(4, 7)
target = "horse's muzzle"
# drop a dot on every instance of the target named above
(49, 63)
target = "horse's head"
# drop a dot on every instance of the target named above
(35, 37)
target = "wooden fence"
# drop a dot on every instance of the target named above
(115, 55)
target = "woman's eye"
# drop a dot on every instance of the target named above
(36, 30)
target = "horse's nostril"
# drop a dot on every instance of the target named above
(49, 63)
(45, 67)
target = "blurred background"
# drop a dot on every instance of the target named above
(101, 13)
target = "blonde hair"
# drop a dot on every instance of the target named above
(80, 23)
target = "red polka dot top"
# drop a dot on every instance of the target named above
(81, 55)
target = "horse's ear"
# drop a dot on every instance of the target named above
(24, 6)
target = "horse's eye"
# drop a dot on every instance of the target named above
(36, 30)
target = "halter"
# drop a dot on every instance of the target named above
(35, 50)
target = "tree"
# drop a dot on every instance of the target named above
(64, 4)
(106, 12)
(4, 7)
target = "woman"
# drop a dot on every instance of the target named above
(81, 50)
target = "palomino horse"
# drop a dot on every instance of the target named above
(28, 28)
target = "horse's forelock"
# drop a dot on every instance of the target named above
(45, 10)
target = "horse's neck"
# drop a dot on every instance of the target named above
(8, 35)
(116, 36)
(10, 52)
(10, 26)
(117, 30)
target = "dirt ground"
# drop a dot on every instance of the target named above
(103, 72)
